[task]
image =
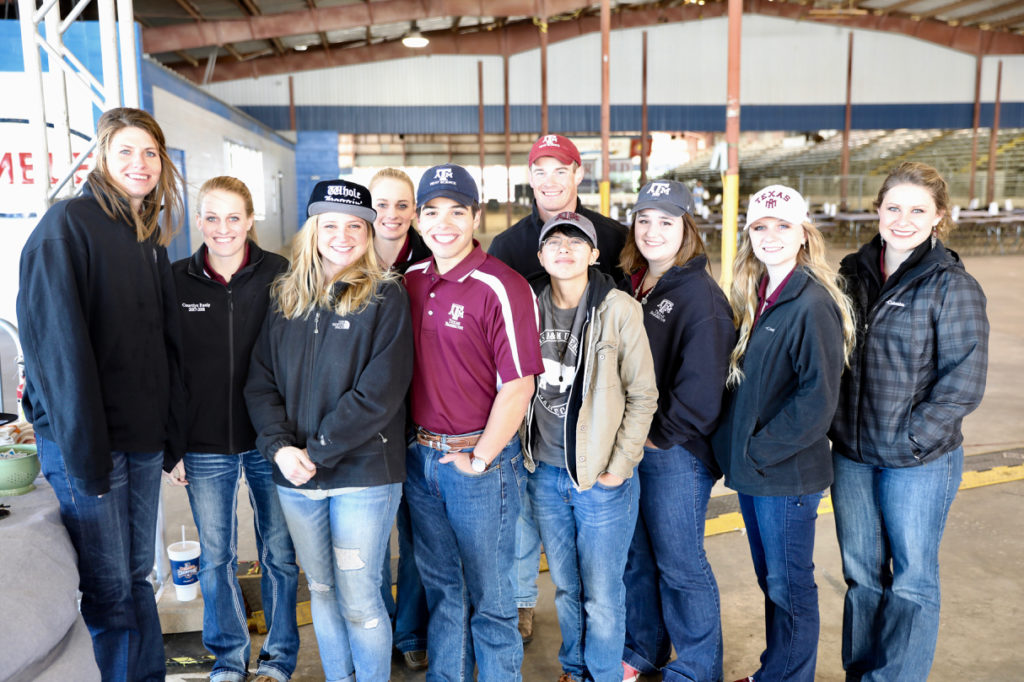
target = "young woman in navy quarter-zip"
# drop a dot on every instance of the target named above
(919, 368)
(223, 290)
(326, 393)
(671, 594)
(99, 325)
(795, 333)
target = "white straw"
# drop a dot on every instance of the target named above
(183, 532)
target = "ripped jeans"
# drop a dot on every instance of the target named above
(339, 541)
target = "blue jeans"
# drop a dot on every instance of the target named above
(671, 594)
(464, 531)
(780, 531)
(890, 524)
(586, 536)
(527, 564)
(212, 490)
(115, 537)
(409, 615)
(340, 542)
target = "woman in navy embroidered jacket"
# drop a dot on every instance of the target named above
(326, 393)
(919, 368)
(223, 290)
(795, 333)
(671, 595)
(99, 324)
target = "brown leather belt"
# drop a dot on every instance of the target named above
(445, 443)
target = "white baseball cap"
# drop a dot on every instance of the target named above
(777, 201)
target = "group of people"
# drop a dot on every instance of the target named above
(580, 387)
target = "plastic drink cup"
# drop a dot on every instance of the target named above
(184, 558)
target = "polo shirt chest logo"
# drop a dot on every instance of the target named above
(661, 312)
(456, 313)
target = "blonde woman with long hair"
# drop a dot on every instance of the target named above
(99, 325)
(326, 394)
(795, 333)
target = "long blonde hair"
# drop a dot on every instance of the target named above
(115, 202)
(746, 278)
(304, 287)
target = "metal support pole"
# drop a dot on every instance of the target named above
(977, 121)
(480, 143)
(60, 154)
(34, 106)
(126, 34)
(731, 181)
(990, 190)
(543, 27)
(108, 52)
(291, 103)
(844, 162)
(606, 111)
(508, 145)
(643, 115)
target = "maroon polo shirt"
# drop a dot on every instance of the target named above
(475, 328)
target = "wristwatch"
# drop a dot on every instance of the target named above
(479, 465)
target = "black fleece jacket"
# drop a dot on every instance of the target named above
(99, 326)
(219, 328)
(517, 246)
(689, 324)
(771, 440)
(336, 386)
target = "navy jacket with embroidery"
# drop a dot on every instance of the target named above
(689, 324)
(921, 358)
(219, 328)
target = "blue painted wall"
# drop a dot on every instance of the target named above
(316, 159)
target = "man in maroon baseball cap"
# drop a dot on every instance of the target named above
(556, 172)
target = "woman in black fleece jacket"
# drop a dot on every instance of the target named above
(99, 325)
(223, 290)
(671, 594)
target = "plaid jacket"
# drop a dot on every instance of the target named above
(920, 362)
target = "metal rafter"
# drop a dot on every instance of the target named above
(944, 9)
(968, 18)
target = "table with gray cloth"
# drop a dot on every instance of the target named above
(42, 634)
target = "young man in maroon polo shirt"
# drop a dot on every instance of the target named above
(477, 350)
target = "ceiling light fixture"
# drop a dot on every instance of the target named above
(414, 38)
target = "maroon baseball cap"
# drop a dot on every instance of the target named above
(556, 146)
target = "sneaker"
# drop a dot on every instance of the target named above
(526, 624)
(746, 679)
(415, 660)
(264, 678)
(629, 673)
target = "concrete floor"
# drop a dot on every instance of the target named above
(982, 554)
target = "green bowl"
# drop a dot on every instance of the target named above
(18, 472)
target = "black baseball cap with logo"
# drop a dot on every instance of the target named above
(341, 196)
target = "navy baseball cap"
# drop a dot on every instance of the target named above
(341, 196)
(447, 180)
(668, 196)
(582, 223)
